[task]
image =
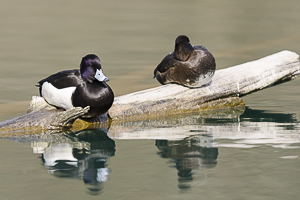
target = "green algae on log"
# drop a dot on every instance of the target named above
(152, 110)
(223, 92)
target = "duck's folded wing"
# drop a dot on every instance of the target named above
(63, 79)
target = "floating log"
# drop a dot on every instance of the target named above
(234, 81)
(42, 117)
(225, 90)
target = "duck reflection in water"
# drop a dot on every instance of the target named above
(82, 155)
(192, 153)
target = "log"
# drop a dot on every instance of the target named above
(235, 81)
(225, 90)
(42, 118)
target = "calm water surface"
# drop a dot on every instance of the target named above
(250, 154)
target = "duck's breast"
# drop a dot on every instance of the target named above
(97, 95)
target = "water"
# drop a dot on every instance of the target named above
(190, 157)
(254, 155)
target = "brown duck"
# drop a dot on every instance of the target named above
(188, 65)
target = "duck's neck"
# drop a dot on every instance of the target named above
(182, 51)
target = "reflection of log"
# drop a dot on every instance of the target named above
(243, 130)
(223, 92)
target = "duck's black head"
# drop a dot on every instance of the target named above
(183, 48)
(91, 70)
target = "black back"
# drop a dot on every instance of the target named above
(63, 79)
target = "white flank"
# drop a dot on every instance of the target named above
(202, 80)
(58, 97)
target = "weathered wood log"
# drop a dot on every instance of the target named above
(43, 117)
(235, 81)
(223, 92)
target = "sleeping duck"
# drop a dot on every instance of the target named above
(188, 65)
(79, 88)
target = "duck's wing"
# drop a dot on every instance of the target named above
(63, 79)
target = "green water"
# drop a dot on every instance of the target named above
(252, 156)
